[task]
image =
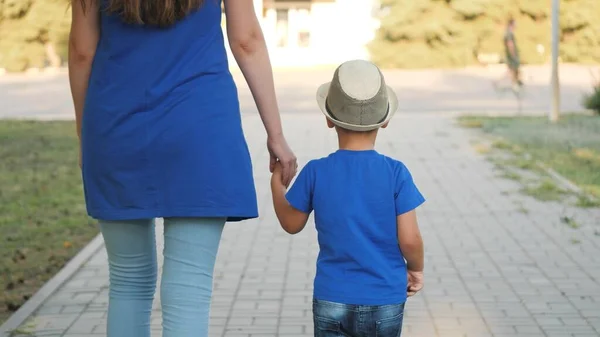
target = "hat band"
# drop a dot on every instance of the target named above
(337, 119)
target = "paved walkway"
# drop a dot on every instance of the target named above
(435, 90)
(492, 270)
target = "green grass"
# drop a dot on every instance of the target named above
(521, 163)
(571, 147)
(520, 207)
(506, 174)
(570, 222)
(42, 213)
(584, 201)
(470, 122)
(546, 190)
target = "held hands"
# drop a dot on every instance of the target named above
(277, 177)
(281, 155)
(415, 282)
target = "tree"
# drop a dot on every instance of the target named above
(29, 29)
(444, 33)
(580, 28)
(413, 33)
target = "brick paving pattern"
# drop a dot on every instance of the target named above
(492, 270)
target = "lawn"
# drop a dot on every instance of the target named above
(42, 212)
(571, 147)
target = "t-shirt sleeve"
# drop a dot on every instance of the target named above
(408, 197)
(300, 195)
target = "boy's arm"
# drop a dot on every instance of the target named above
(411, 245)
(410, 240)
(291, 219)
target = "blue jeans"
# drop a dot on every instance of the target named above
(346, 320)
(190, 250)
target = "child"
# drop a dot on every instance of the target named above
(364, 205)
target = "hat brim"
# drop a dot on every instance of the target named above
(322, 98)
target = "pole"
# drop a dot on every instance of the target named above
(555, 110)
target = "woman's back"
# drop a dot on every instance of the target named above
(140, 60)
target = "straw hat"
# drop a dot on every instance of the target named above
(357, 97)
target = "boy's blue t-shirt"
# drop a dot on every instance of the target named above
(356, 196)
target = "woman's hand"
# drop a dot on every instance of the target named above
(279, 151)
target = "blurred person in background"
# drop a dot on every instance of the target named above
(512, 59)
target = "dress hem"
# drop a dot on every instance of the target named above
(136, 214)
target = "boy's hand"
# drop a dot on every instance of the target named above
(291, 219)
(415, 282)
(276, 178)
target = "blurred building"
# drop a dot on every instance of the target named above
(316, 32)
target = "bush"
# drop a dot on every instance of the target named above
(592, 100)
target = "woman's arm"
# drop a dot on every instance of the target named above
(83, 39)
(250, 51)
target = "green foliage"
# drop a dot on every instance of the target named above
(435, 33)
(423, 33)
(26, 26)
(592, 100)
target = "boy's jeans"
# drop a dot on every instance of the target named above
(345, 320)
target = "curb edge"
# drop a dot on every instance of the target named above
(564, 181)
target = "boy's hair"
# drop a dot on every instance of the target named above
(352, 132)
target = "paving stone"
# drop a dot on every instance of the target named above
(73, 309)
(87, 325)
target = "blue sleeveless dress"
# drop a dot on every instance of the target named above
(162, 133)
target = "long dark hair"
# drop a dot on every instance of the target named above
(162, 13)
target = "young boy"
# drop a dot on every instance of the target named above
(364, 205)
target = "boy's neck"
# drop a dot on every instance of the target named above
(356, 142)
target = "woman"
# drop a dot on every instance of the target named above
(161, 136)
